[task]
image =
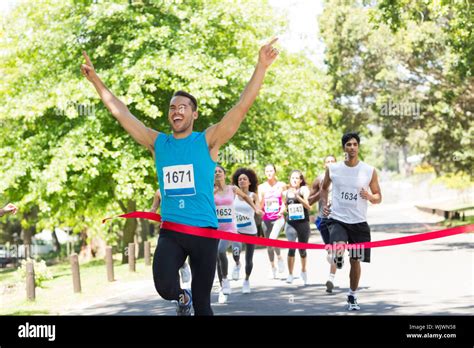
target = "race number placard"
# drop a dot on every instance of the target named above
(243, 220)
(272, 205)
(179, 180)
(347, 196)
(295, 211)
(224, 214)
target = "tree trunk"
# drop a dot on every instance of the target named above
(85, 254)
(406, 165)
(145, 227)
(57, 245)
(28, 233)
(27, 236)
(129, 229)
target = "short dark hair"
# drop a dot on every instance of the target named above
(348, 136)
(250, 174)
(194, 102)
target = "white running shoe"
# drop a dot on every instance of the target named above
(222, 298)
(273, 273)
(290, 278)
(246, 287)
(236, 272)
(185, 273)
(226, 287)
(352, 304)
(304, 278)
(281, 266)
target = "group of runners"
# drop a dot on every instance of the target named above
(193, 192)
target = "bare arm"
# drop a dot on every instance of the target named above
(156, 202)
(256, 201)
(315, 192)
(142, 134)
(324, 193)
(218, 134)
(304, 199)
(376, 196)
(261, 197)
(283, 207)
(246, 198)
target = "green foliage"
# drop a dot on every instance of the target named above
(454, 17)
(65, 156)
(412, 82)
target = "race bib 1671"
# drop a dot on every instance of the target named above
(179, 180)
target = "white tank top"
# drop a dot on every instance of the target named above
(347, 205)
(244, 214)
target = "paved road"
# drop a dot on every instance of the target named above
(428, 278)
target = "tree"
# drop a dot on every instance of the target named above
(405, 81)
(74, 163)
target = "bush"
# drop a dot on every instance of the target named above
(42, 272)
(423, 168)
(455, 181)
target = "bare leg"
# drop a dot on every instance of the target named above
(303, 264)
(291, 264)
(354, 274)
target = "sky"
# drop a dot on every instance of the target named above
(302, 33)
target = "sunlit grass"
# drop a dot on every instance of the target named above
(57, 295)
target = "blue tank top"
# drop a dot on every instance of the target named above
(185, 172)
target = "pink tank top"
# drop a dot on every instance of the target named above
(272, 202)
(225, 209)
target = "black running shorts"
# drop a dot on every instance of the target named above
(351, 233)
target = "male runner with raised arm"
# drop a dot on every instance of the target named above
(185, 162)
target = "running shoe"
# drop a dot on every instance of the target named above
(222, 298)
(290, 278)
(183, 309)
(246, 287)
(273, 273)
(352, 304)
(281, 266)
(185, 273)
(304, 278)
(226, 287)
(339, 261)
(236, 272)
(329, 286)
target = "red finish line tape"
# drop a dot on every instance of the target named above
(235, 237)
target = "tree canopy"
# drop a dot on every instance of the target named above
(66, 156)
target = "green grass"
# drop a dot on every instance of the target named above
(32, 312)
(6, 274)
(454, 223)
(57, 295)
